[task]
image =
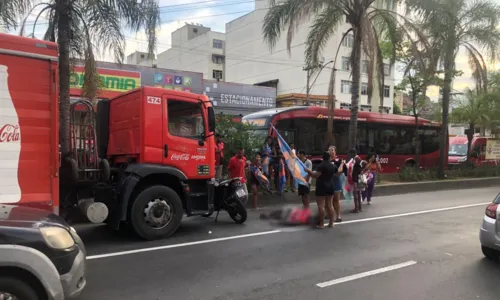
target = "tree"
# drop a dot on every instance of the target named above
(80, 27)
(477, 109)
(419, 71)
(396, 109)
(369, 24)
(451, 25)
(238, 135)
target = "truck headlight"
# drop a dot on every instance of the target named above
(57, 237)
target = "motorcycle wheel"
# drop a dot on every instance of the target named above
(237, 212)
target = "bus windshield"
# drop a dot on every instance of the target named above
(457, 150)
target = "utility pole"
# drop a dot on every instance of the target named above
(308, 87)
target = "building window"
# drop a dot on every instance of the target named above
(387, 69)
(217, 59)
(195, 30)
(348, 40)
(345, 87)
(364, 67)
(387, 91)
(346, 64)
(217, 44)
(217, 74)
(364, 89)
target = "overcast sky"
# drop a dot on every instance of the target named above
(215, 14)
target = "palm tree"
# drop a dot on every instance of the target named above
(472, 25)
(81, 27)
(477, 109)
(368, 23)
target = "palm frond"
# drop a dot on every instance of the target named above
(478, 67)
(51, 32)
(22, 30)
(10, 10)
(323, 27)
(290, 14)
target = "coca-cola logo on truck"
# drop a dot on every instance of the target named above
(10, 133)
(179, 157)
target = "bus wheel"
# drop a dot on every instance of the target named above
(410, 164)
(156, 212)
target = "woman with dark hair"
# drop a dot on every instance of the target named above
(373, 166)
(325, 189)
(340, 166)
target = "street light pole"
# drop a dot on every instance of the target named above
(321, 66)
(307, 87)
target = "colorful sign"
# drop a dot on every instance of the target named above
(113, 80)
(173, 82)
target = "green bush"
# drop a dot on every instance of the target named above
(411, 174)
(236, 135)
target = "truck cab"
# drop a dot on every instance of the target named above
(160, 146)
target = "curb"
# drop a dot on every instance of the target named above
(389, 190)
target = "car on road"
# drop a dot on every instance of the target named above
(489, 234)
(41, 256)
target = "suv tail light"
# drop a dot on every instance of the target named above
(491, 211)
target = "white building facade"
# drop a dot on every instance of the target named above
(196, 48)
(249, 60)
(141, 59)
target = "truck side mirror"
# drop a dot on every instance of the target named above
(211, 119)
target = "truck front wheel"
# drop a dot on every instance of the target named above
(156, 212)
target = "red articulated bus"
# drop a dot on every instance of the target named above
(390, 136)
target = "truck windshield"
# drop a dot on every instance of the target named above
(185, 119)
(457, 150)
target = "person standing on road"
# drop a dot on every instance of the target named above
(325, 189)
(268, 152)
(219, 156)
(373, 166)
(340, 167)
(354, 178)
(304, 190)
(237, 168)
(290, 180)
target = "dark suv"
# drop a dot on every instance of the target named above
(41, 256)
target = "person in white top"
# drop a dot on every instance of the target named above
(305, 190)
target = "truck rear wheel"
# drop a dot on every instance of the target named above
(156, 212)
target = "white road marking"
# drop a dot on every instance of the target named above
(181, 245)
(411, 213)
(292, 229)
(366, 274)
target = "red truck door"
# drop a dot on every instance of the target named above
(185, 130)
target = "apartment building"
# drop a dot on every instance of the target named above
(196, 48)
(249, 60)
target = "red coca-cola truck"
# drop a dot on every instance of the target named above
(147, 156)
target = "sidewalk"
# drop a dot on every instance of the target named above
(388, 189)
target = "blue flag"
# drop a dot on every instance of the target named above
(295, 165)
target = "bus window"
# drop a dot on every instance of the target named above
(429, 140)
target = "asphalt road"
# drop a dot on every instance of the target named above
(418, 246)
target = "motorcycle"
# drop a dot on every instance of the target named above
(230, 196)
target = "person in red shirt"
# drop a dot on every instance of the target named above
(219, 156)
(237, 168)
